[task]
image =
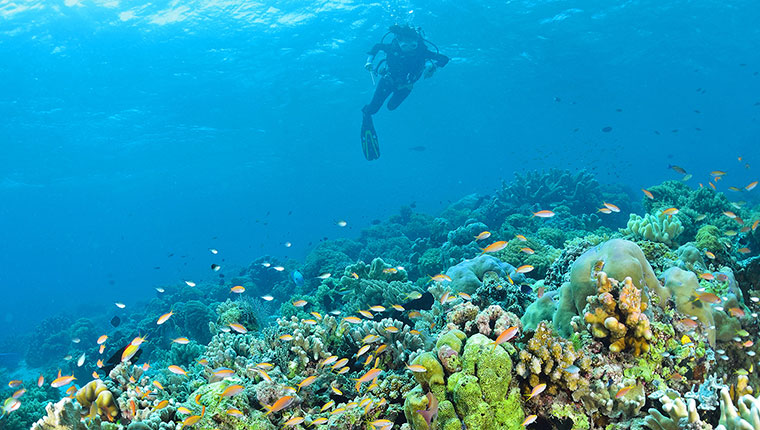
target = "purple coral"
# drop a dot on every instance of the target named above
(449, 359)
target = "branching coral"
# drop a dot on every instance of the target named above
(617, 313)
(619, 259)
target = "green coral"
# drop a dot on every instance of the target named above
(708, 239)
(432, 379)
(453, 339)
(481, 392)
(579, 419)
(657, 228)
(541, 310)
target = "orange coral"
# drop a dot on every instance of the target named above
(621, 319)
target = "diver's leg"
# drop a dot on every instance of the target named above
(382, 91)
(398, 96)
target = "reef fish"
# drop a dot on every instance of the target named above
(505, 336)
(647, 193)
(524, 268)
(280, 404)
(538, 389)
(177, 370)
(232, 390)
(496, 246)
(483, 235)
(544, 214)
(163, 318)
(530, 419)
(297, 277)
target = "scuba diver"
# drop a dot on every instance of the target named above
(407, 59)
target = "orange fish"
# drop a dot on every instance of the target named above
(280, 404)
(505, 336)
(605, 210)
(191, 420)
(416, 368)
(177, 370)
(713, 186)
(237, 289)
(483, 235)
(708, 298)
(717, 173)
(162, 404)
(688, 322)
(306, 382)
(530, 419)
(40, 381)
(754, 224)
(751, 186)
(239, 328)
(538, 389)
(543, 214)
(15, 383)
(611, 207)
(729, 214)
(300, 303)
(62, 381)
(736, 312)
(440, 278)
(521, 238)
(524, 269)
(352, 320)
(370, 375)
(231, 390)
(623, 391)
(710, 255)
(707, 276)
(527, 250)
(670, 211)
(102, 339)
(647, 193)
(181, 340)
(496, 246)
(163, 318)
(540, 292)
(744, 250)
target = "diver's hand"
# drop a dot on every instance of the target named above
(368, 66)
(429, 70)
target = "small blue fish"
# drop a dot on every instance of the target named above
(572, 369)
(297, 277)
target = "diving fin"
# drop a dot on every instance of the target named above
(370, 145)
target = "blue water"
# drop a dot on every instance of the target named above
(135, 137)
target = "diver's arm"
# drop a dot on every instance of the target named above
(372, 52)
(439, 60)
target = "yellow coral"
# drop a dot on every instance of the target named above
(549, 358)
(96, 396)
(623, 320)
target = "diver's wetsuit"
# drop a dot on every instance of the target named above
(403, 69)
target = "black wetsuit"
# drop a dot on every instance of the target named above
(403, 69)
